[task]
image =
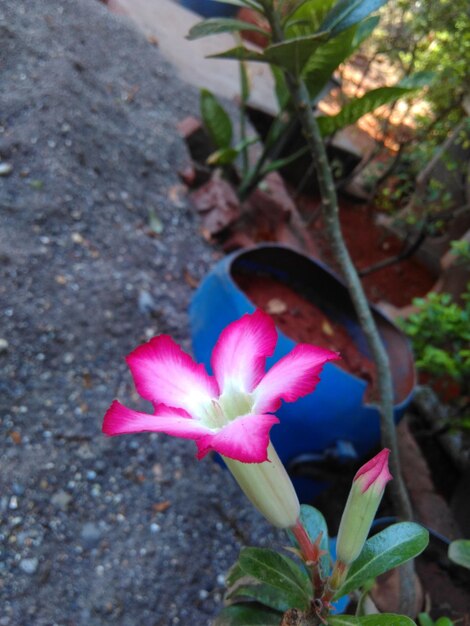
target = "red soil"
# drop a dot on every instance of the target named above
(304, 322)
(368, 244)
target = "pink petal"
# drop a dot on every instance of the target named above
(119, 420)
(239, 356)
(292, 377)
(246, 439)
(164, 374)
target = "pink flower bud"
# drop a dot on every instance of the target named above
(363, 501)
(374, 473)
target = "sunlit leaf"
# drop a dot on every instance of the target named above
(357, 107)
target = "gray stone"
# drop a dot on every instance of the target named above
(91, 535)
(29, 566)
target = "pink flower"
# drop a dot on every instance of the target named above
(229, 412)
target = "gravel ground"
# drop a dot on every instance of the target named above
(93, 531)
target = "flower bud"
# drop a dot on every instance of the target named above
(269, 488)
(363, 501)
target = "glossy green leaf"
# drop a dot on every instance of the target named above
(388, 549)
(240, 53)
(310, 517)
(384, 619)
(216, 120)
(293, 54)
(217, 25)
(346, 13)
(273, 598)
(279, 572)
(247, 615)
(459, 552)
(357, 107)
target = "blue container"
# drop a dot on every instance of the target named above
(210, 8)
(333, 421)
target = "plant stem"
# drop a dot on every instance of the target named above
(330, 212)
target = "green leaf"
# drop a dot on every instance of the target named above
(264, 594)
(293, 54)
(223, 156)
(279, 572)
(357, 107)
(252, 4)
(418, 80)
(321, 65)
(384, 619)
(234, 574)
(388, 549)
(217, 25)
(314, 523)
(305, 19)
(459, 552)
(247, 615)
(346, 13)
(365, 29)
(444, 621)
(240, 53)
(216, 120)
(327, 58)
(226, 156)
(425, 620)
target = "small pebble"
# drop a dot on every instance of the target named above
(29, 566)
(6, 169)
(90, 535)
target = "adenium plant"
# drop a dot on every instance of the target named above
(232, 412)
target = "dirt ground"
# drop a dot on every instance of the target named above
(97, 531)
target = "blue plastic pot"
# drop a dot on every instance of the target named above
(334, 420)
(210, 8)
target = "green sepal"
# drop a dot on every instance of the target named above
(314, 523)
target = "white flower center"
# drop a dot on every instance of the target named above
(230, 405)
